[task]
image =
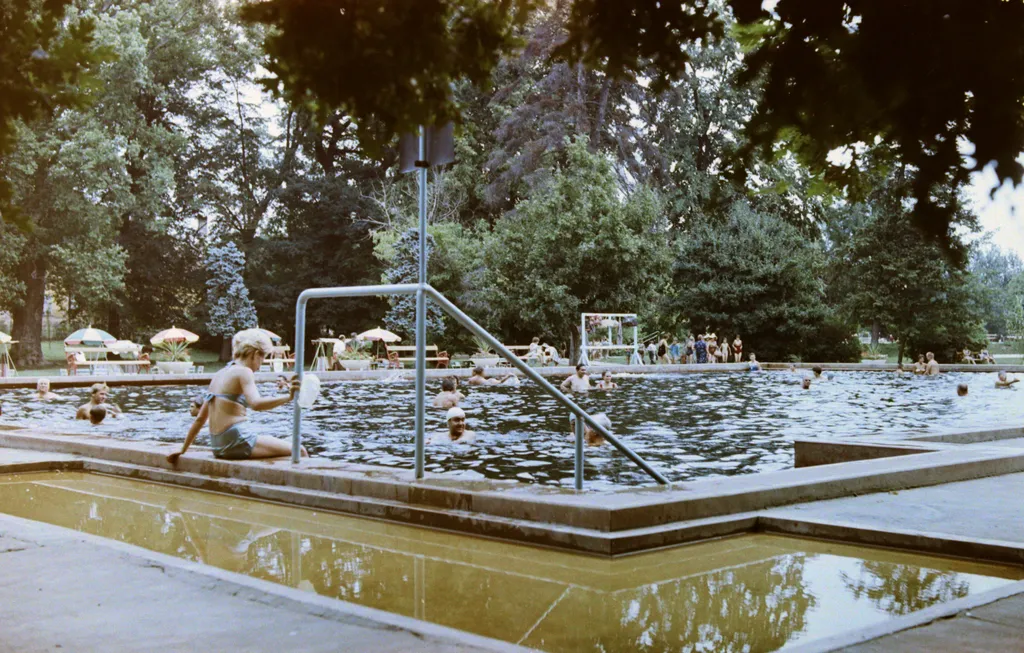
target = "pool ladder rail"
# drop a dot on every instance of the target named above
(422, 291)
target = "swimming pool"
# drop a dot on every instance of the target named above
(688, 425)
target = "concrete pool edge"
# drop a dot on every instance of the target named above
(257, 590)
(28, 380)
(602, 524)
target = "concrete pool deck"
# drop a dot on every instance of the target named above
(980, 519)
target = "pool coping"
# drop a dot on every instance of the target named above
(29, 380)
(599, 522)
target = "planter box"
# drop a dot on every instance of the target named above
(490, 361)
(356, 364)
(175, 367)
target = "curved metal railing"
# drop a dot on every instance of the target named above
(422, 292)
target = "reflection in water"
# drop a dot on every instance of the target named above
(690, 426)
(902, 589)
(750, 593)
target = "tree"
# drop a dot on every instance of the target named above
(994, 270)
(575, 244)
(46, 64)
(756, 276)
(227, 298)
(68, 181)
(899, 278)
(404, 267)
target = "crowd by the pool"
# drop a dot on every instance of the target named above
(233, 391)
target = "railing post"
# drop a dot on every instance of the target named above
(578, 462)
(421, 312)
(300, 367)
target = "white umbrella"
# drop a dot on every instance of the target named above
(174, 334)
(379, 334)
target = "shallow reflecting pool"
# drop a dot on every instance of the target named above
(749, 593)
(689, 425)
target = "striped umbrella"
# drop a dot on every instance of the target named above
(174, 334)
(90, 338)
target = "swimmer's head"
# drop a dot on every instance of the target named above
(581, 369)
(195, 405)
(961, 390)
(43, 385)
(478, 371)
(97, 414)
(607, 376)
(817, 370)
(99, 392)
(930, 356)
(251, 342)
(590, 435)
(1002, 375)
(830, 376)
(806, 383)
(448, 385)
(456, 418)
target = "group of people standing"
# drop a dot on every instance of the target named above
(703, 349)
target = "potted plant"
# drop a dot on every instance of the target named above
(355, 358)
(873, 355)
(484, 356)
(176, 359)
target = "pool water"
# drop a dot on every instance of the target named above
(688, 425)
(748, 593)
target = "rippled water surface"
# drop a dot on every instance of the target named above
(688, 425)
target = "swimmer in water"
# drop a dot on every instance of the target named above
(98, 397)
(806, 383)
(457, 431)
(578, 382)
(591, 437)
(195, 405)
(606, 382)
(478, 378)
(231, 394)
(817, 372)
(932, 367)
(43, 390)
(97, 414)
(752, 363)
(920, 367)
(449, 396)
(1005, 382)
(961, 390)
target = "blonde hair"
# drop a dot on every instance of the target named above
(249, 341)
(98, 388)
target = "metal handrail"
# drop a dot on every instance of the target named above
(425, 289)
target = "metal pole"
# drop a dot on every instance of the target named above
(421, 311)
(583, 359)
(300, 365)
(578, 469)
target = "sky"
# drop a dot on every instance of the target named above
(1002, 215)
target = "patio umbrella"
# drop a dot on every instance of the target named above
(174, 334)
(379, 334)
(90, 338)
(4, 338)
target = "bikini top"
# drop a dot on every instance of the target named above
(237, 399)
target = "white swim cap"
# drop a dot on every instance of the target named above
(455, 411)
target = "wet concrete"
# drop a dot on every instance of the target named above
(103, 596)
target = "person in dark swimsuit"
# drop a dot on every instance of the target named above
(737, 349)
(232, 392)
(700, 350)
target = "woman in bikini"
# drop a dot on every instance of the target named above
(232, 392)
(737, 348)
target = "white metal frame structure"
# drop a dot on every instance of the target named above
(584, 359)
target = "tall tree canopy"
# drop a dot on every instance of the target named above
(916, 76)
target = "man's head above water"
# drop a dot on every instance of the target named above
(456, 422)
